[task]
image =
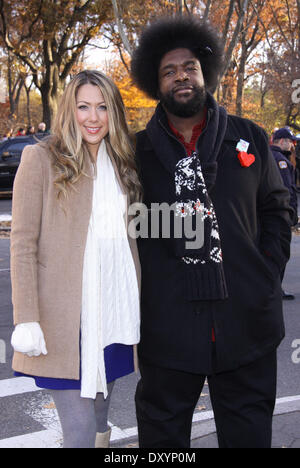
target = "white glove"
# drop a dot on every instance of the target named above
(28, 338)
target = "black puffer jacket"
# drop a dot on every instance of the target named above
(252, 207)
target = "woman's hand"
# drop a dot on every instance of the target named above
(28, 338)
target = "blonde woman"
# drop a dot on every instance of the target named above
(75, 272)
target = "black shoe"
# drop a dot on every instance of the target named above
(287, 296)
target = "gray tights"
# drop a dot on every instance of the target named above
(81, 418)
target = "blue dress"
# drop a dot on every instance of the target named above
(118, 360)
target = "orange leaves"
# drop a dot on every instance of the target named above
(138, 105)
(133, 97)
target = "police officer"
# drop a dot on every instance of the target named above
(281, 148)
(298, 163)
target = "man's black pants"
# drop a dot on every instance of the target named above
(243, 401)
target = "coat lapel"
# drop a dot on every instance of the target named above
(167, 148)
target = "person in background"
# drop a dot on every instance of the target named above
(283, 144)
(75, 272)
(212, 311)
(298, 163)
(30, 130)
(272, 135)
(21, 132)
(42, 128)
(8, 135)
(292, 156)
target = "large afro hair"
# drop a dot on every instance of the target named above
(171, 33)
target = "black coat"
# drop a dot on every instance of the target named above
(252, 207)
(288, 175)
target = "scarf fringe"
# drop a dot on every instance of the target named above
(205, 283)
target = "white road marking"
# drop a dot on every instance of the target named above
(5, 217)
(16, 386)
(43, 439)
(51, 437)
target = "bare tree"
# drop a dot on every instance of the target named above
(240, 7)
(49, 36)
(251, 35)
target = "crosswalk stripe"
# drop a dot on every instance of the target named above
(51, 437)
(43, 439)
(5, 217)
(17, 385)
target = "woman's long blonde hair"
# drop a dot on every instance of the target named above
(68, 148)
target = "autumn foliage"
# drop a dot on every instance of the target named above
(139, 106)
(43, 42)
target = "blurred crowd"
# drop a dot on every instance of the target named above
(21, 131)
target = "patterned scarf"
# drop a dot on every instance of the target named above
(195, 177)
(204, 271)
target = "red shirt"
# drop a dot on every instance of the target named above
(197, 130)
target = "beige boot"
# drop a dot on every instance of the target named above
(102, 439)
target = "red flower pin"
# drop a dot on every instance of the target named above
(246, 159)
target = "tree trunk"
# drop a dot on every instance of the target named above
(49, 103)
(234, 40)
(14, 90)
(241, 78)
(28, 105)
(49, 93)
(180, 7)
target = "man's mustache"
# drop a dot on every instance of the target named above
(180, 87)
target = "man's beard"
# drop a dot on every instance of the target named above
(185, 109)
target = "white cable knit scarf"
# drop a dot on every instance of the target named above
(110, 297)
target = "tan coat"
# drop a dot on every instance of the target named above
(47, 251)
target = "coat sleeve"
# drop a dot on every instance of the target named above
(26, 220)
(274, 211)
(287, 173)
(293, 194)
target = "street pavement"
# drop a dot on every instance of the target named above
(28, 418)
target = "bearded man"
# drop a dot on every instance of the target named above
(215, 311)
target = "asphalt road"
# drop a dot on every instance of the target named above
(122, 413)
(5, 205)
